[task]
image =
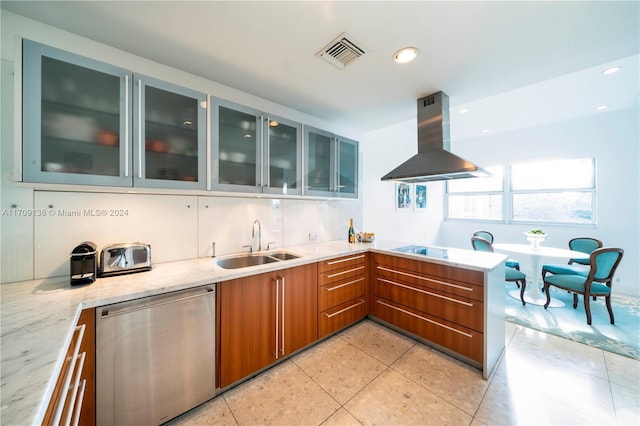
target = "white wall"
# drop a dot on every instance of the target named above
(611, 137)
(177, 225)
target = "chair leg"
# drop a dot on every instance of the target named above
(575, 301)
(546, 291)
(608, 302)
(587, 307)
(522, 287)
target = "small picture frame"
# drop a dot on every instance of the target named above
(403, 197)
(420, 197)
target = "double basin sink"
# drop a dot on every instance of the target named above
(255, 259)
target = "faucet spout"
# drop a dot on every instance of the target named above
(253, 233)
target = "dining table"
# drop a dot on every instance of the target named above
(533, 293)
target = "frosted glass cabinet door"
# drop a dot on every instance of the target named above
(347, 168)
(282, 156)
(320, 159)
(236, 138)
(170, 135)
(75, 126)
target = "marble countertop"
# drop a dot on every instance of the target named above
(37, 316)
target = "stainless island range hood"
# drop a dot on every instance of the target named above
(434, 161)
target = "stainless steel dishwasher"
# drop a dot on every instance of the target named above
(155, 357)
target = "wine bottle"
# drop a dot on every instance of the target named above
(352, 233)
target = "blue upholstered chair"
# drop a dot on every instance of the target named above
(575, 266)
(511, 263)
(511, 275)
(602, 266)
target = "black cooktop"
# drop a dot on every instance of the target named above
(424, 251)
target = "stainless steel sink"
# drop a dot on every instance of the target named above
(246, 260)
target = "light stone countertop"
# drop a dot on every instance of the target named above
(37, 317)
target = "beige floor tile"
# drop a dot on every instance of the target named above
(623, 371)
(342, 418)
(383, 344)
(450, 379)
(506, 403)
(392, 399)
(283, 395)
(339, 368)
(215, 412)
(627, 405)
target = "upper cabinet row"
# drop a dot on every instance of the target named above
(87, 122)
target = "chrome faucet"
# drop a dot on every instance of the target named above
(253, 233)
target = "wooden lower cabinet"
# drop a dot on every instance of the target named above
(342, 289)
(263, 318)
(73, 398)
(440, 303)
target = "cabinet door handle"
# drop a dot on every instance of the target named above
(277, 304)
(140, 128)
(76, 415)
(344, 309)
(126, 125)
(426, 292)
(333, 262)
(282, 348)
(67, 380)
(420, 317)
(344, 285)
(75, 387)
(382, 268)
(345, 272)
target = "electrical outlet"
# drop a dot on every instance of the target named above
(313, 236)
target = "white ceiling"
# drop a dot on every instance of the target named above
(529, 61)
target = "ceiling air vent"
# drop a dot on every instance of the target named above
(342, 51)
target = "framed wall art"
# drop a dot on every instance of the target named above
(403, 197)
(420, 196)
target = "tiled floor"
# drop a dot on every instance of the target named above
(369, 375)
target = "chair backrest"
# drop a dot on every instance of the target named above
(484, 234)
(480, 244)
(584, 244)
(604, 262)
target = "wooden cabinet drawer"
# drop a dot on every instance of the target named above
(459, 339)
(463, 311)
(72, 401)
(341, 262)
(433, 270)
(424, 279)
(334, 294)
(341, 316)
(341, 274)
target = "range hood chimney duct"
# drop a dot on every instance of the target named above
(434, 160)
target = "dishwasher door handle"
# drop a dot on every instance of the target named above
(153, 301)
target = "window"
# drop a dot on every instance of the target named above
(560, 191)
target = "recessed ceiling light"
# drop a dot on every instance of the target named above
(611, 70)
(406, 54)
(602, 107)
(463, 111)
(273, 123)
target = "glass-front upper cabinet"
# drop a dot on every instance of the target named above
(75, 119)
(86, 122)
(169, 134)
(331, 164)
(253, 152)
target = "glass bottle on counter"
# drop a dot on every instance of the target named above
(352, 233)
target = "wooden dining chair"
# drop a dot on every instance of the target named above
(511, 275)
(598, 282)
(575, 266)
(511, 263)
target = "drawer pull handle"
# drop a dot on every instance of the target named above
(426, 319)
(424, 279)
(74, 389)
(345, 309)
(333, 262)
(67, 379)
(76, 415)
(345, 272)
(426, 292)
(345, 284)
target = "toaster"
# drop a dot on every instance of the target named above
(125, 258)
